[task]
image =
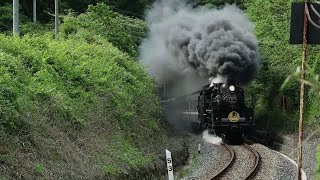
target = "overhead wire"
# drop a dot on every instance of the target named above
(314, 10)
(309, 17)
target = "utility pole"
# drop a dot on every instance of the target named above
(15, 17)
(56, 18)
(34, 10)
(303, 66)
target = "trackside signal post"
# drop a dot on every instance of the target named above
(303, 66)
(304, 31)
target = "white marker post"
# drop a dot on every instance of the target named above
(169, 165)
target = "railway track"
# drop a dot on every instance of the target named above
(227, 168)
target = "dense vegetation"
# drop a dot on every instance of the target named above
(45, 9)
(280, 59)
(78, 107)
(85, 100)
(123, 32)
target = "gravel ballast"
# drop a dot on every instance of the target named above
(202, 163)
(311, 141)
(272, 164)
(243, 163)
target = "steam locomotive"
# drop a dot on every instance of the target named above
(222, 110)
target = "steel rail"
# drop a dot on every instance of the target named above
(257, 160)
(227, 165)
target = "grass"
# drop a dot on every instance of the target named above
(191, 166)
(76, 106)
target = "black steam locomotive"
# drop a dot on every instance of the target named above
(221, 109)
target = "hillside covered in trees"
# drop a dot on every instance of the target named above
(83, 106)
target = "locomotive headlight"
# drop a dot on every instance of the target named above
(232, 88)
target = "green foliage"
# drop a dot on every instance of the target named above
(217, 3)
(39, 168)
(128, 155)
(45, 8)
(65, 72)
(128, 7)
(35, 28)
(123, 32)
(110, 169)
(65, 82)
(5, 17)
(280, 59)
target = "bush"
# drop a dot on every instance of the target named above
(123, 32)
(6, 17)
(280, 59)
(75, 85)
(42, 69)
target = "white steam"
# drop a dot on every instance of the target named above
(210, 138)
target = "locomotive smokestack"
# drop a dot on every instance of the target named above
(208, 43)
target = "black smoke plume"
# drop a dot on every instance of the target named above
(200, 43)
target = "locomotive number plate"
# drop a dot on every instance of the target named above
(233, 116)
(232, 99)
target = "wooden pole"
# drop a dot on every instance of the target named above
(34, 10)
(56, 18)
(303, 66)
(15, 28)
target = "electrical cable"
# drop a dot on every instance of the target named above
(311, 21)
(314, 10)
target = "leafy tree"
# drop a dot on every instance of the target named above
(45, 8)
(240, 3)
(5, 17)
(124, 32)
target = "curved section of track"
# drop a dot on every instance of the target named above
(257, 160)
(226, 170)
(227, 165)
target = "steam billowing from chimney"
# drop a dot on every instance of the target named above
(199, 42)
